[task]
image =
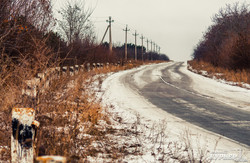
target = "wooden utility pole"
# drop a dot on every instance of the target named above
(151, 50)
(110, 37)
(147, 50)
(156, 48)
(151, 45)
(135, 34)
(142, 47)
(126, 48)
(147, 44)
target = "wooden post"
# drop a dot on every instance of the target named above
(64, 70)
(76, 69)
(23, 134)
(71, 70)
(98, 65)
(87, 67)
(94, 66)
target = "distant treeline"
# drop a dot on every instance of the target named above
(26, 36)
(227, 42)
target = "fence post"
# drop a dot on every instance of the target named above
(64, 70)
(98, 65)
(88, 67)
(76, 69)
(94, 66)
(23, 135)
(82, 68)
(71, 70)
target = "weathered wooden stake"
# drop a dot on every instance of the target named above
(72, 70)
(76, 69)
(88, 67)
(23, 134)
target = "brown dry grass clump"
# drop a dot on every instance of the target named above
(238, 77)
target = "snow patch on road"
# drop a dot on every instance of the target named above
(155, 70)
(174, 76)
(137, 78)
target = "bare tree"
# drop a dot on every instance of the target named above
(74, 24)
(19, 18)
(226, 43)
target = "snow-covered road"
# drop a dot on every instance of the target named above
(186, 102)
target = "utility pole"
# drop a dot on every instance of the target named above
(151, 50)
(156, 49)
(135, 34)
(147, 50)
(142, 38)
(147, 45)
(159, 50)
(126, 48)
(110, 37)
(154, 46)
(151, 45)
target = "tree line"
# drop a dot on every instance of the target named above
(226, 43)
(27, 35)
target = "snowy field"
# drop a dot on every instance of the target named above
(164, 137)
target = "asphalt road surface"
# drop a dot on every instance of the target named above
(175, 96)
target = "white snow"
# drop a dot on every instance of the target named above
(129, 104)
(232, 95)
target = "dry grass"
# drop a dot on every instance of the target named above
(238, 77)
(75, 125)
(72, 119)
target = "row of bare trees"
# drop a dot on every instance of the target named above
(27, 39)
(226, 43)
(28, 45)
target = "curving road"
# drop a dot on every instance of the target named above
(174, 94)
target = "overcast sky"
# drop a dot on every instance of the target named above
(175, 25)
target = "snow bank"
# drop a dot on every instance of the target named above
(232, 95)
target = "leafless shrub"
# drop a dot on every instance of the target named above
(226, 43)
